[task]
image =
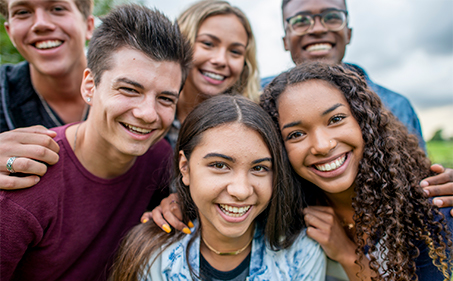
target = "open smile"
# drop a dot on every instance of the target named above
(135, 129)
(332, 165)
(234, 211)
(48, 44)
(213, 75)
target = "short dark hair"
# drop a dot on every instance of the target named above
(285, 2)
(142, 29)
(85, 7)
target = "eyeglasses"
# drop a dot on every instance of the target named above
(332, 20)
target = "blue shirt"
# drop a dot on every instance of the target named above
(304, 260)
(396, 103)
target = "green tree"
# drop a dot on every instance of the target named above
(9, 54)
(437, 136)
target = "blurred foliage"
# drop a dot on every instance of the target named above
(437, 136)
(9, 54)
(441, 152)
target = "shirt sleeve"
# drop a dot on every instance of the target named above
(19, 229)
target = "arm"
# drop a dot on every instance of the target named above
(440, 187)
(19, 230)
(33, 148)
(324, 227)
(168, 212)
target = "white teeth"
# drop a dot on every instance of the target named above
(319, 47)
(234, 211)
(137, 129)
(332, 165)
(48, 44)
(214, 76)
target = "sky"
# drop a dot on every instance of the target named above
(404, 45)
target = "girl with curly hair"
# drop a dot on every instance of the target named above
(360, 171)
(231, 175)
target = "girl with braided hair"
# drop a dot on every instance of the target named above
(360, 171)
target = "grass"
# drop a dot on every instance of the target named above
(441, 152)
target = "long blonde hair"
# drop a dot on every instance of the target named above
(192, 18)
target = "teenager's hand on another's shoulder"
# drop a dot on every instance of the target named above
(440, 186)
(167, 214)
(33, 148)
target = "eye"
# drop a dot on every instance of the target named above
(20, 12)
(219, 165)
(207, 43)
(260, 168)
(128, 90)
(167, 100)
(336, 119)
(237, 52)
(58, 9)
(294, 135)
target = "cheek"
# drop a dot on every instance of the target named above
(237, 65)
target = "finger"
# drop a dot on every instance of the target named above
(176, 222)
(442, 202)
(14, 183)
(316, 235)
(451, 212)
(147, 216)
(444, 177)
(159, 220)
(170, 204)
(38, 129)
(28, 166)
(316, 222)
(439, 190)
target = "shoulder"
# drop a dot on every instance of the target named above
(12, 71)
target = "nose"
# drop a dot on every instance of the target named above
(317, 27)
(146, 110)
(240, 187)
(219, 57)
(322, 143)
(42, 21)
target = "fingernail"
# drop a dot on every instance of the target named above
(145, 221)
(190, 224)
(37, 179)
(166, 228)
(426, 192)
(438, 202)
(424, 183)
(186, 230)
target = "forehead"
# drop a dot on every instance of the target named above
(312, 6)
(235, 140)
(312, 95)
(12, 3)
(136, 65)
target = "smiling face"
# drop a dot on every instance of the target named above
(323, 140)
(134, 102)
(230, 178)
(319, 43)
(49, 34)
(219, 55)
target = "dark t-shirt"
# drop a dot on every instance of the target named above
(240, 273)
(69, 225)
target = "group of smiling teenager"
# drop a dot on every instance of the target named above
(355, 166)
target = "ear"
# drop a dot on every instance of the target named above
(184, 168)
(90, 27)
(285, 42)
(88, 88)
(349, 35)
(6, 24)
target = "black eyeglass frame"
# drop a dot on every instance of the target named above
(321, 16)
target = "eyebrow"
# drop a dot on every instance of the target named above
(262, 160)
(296, 123)
(218, 39)
(332, 108)
(140, 86)
(210, 155)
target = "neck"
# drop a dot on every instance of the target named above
(62, 93)
(188, 100)
(95, 154)
(225, 244)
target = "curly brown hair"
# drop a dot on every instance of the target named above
(390, 207)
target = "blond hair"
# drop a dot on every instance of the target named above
(190, 21)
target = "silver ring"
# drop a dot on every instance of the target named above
(9, 165)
